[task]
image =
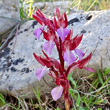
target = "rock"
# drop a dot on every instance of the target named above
(18, 66)
(95, 26)
(8, 9)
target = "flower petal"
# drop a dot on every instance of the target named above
(89, 69)
(62, 32)
(80, 53)
(48, 46)
(75, 42)
(37, 32)
(69, 57)
(84, 61)
(40, 72)
(57, 92)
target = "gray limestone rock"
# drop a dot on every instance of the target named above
(9, 10)
(95, 26)
(18, 66)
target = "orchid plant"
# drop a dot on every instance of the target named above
(56, 33)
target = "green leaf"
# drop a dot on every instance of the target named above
(71, 79)
(57, 109)
(37, 94)
(100, 78)
(81, 108)
(73, 82)
(85, 100)
(78, 100)
(84, 108)
(2, 100)
(98, 101)
(99, 109)
(95, 83)
(106, 71)
(70, 75)
(72, 91)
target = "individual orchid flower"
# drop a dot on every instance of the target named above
(47, 62)
(61, 20)
(44, 62)
(80, 64)
(49, 36)
(69, 56)
(69, 45)
(60, 24)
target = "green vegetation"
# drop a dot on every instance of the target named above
(85, 5)
(96, 91)
(86, 93)
(88, 5)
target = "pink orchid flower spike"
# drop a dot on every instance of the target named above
(56, 33)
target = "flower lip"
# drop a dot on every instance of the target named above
(62, 32)
(57, 92)
(79, 53)
(40, 72)
(69, 57)
(38, 32)
(48, 46)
